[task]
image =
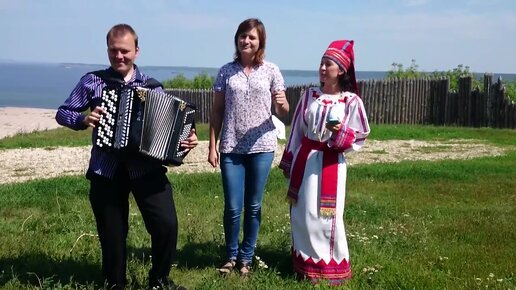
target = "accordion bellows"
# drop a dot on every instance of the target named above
(150, 122)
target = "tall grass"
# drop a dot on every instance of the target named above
(448, 224)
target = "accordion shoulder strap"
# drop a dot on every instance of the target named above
(150, 83)
(107, 77)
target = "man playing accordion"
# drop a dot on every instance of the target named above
(113, 175)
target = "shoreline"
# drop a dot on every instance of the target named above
(15, 120)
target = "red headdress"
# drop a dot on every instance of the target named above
(341, 52)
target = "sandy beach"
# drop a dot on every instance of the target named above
(15, 120)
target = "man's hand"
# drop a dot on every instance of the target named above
(190, 142)
(92, 119)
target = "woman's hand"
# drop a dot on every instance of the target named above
(280, 98)
(280, 101)
(334, 127)
(213, 157)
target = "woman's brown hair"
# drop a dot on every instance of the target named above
(245, 26)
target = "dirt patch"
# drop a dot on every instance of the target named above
(18, 165)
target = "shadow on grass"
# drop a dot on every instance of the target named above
(191, 255)
(200, 255)
(38, 269)
(279, 260)
(211, 255)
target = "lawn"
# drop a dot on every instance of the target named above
(448, 224)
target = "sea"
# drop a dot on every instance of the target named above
(47, 85)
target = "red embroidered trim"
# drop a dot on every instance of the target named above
(321, 270)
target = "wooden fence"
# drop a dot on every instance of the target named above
(472, 107)
(408, 101)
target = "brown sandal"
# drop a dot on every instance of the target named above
(227, 267)
(244, 268)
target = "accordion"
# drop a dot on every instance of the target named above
(150, 122)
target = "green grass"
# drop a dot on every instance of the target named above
(67, 137)
(47, 138)
(447, 224)
(407, 132)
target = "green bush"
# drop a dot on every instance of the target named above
(200, 81)
(399, 71)
(510, 90)
(455, 74)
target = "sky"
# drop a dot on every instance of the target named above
(436, 34)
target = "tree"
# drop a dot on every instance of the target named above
(200, 81)
(398, 71)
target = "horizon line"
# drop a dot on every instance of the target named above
(10, 61)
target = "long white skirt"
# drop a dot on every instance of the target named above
(319, 245)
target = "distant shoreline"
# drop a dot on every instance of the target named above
(47, 85)
(200, 68)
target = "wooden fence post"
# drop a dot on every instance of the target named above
(486, 102)
(494, 104)
(465, 84)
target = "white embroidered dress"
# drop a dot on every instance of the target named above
(315, 159)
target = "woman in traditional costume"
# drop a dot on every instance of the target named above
(330, 121)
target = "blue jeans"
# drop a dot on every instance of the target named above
(243, 177)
